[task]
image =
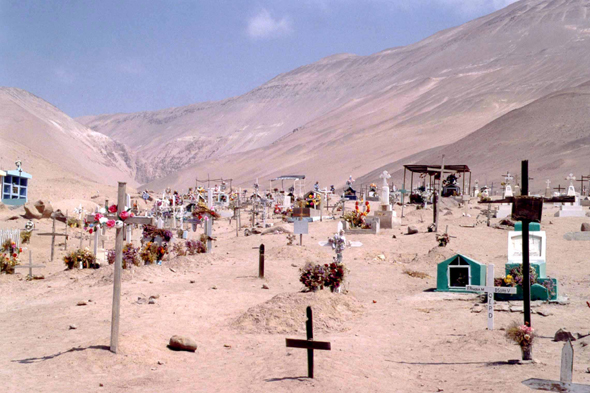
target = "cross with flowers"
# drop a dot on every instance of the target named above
(116, 216)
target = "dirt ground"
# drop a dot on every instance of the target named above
(390, 332)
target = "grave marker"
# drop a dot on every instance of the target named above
(565, 378)
(53, 234)
(490, 290)
(261, 261)
(30, 266)
(309, 344)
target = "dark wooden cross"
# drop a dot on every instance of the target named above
(565, 378)
(582, 180)
(309, 344)
(559, 188)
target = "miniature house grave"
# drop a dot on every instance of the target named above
(571, 209)
(459, 271)
(15, 186)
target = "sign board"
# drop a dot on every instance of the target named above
(301, 227)
(478, 288)
(301, 212)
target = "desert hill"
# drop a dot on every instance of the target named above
(552, 133)
(54, 147)
(349, 114)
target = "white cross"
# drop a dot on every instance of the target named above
(548, 182)
(508, 178)
(490, 290)
(571, 178)
(385, 176)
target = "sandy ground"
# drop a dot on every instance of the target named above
(389, 333)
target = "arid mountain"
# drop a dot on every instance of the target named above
(53, 146)
(553, 133)
(350, 114)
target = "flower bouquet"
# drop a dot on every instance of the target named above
(9, 254)
(101, 221)
(201, 209)
(153, 253)
(524, 336)
(315, 277)
(130, 256)
(357, 218)
(82, 258)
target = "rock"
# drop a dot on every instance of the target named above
(264, 286)
(226, 346)
(412, 230)
(152, 301)
(563, 335)
(155, 297)
(448, 213)
(380, 257)
(172, 270)
(516, 309)
(585, 227)
(544, 313)
(294, 265)
(161, 363)
(141, 300)
(502, 307)
(59, 216)
(192, 281)
(81, 303)
(72, 327)
(214, 287)
(45, 209)
(30, 214)
(180, 343)
(394, 237)
(476, 309)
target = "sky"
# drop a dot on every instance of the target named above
(92, 57)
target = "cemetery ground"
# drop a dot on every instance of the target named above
(389, 333)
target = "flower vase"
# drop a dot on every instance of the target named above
(527, 352)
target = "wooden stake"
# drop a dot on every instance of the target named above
(53, 239)
(118, 271)
(261, 262)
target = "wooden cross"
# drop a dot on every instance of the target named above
(582, 180)
(565, 378)
(309, 344)
(53, 234)
(30, 266)
(559, 188)
(490, 290)
(118, 261)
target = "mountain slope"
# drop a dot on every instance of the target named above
(437, 92)
(553, 133)
(50, 143)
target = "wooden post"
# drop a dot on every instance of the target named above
(490, 296)
(440, 185)
(127, 227)
(66, 238)
(526, 284)
(403, 191)
(309, 329)
(53, 239)
(118, 271)
(261, 262)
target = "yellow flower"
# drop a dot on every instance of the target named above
(508, 279)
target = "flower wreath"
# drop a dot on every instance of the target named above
(100, 220)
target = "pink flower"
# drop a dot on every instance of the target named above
(98, 216)
(110, 223)
(113, 209)
(125, 215)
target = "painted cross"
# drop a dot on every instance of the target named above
(559, 188)
(571, 178)
(508, 177)
(385, 176)
(565, 379)
(30, 266)
(309, 344)
(490, 290)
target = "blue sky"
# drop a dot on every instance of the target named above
(92, 57)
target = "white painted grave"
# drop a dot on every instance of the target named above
(571, 209)
(505, 209)
(537, 247)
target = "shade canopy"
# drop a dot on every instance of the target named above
(290, 177)
(435, 169)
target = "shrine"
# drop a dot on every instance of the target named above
(457, 272)
(15, 186)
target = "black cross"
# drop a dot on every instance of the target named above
(559, 188)
(309, 344)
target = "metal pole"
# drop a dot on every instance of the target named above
(440, 183)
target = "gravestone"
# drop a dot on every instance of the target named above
(387, 216)
(457, 272)
(505, 209)
(574, 209)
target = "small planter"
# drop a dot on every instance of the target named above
(527, 352)
(71, 265)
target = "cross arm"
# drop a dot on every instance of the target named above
(555, 386)
(308, 344)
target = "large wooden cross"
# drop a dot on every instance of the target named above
(490, 290)
(118, 261)
(565, 378)
(53, 234)
(309, 344)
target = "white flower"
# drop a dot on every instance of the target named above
(102, 210)
(118, 224)
(103, 220)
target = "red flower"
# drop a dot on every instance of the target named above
(113, 209)
(98, 216)
(110, 223)
(125, 215)
(14, 255)
(90, 231)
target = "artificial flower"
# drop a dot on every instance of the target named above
(118, 224)
(113, 209)
(103, 220)
(110, 223)
(124, 215)
(98, 216)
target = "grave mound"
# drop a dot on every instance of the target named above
(297, 253)
(286, 313)
(437, 255)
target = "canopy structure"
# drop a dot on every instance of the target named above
(294, 178)
(208, 181)
(434, 172)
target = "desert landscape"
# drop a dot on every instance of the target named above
(144, 230)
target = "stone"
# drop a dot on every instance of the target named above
(180, 343)
(577, 236)
(516, 308)
(264, 286)
(412, 230)
(45, 209)
(585, 227)
(152, 301)
(544, 313)
(30, 214)
(81, 303)
(72, 327)
(448, 213)
(563, 335)
(192, 281)
(477, 309)
(141, 300)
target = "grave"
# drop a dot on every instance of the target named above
(574, 209)
(537, 258)
(505, 209)
(373, 230)
(15, 185)
(457, 272)
(387, 216)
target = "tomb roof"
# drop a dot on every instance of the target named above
(435, 169)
